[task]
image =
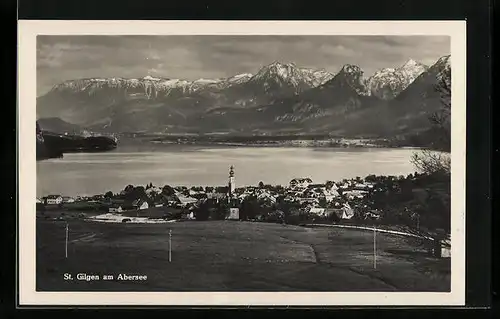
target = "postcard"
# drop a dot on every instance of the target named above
(241, 163)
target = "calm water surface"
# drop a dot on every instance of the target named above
(96, 173)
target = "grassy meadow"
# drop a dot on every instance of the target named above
(231, 256)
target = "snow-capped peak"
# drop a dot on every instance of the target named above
(208, 81)
(279, 72)
(413, 66)
(316, 77)
(351, 69)
(389, 82)
(410, 63)
(278, 68)
(242, 75)
(277, 64)
(239, 78)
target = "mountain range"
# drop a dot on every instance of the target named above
(280, 97)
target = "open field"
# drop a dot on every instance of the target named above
(231, 256)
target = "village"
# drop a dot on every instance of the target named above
(302, 200)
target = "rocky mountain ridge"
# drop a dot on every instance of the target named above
(389, 82)
(280, 96)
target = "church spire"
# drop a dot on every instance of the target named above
(231, 184)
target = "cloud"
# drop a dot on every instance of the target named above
(62, 58)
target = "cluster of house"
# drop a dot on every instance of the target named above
(321, 200)
(55, 200)
(115, 205)
(317, 199)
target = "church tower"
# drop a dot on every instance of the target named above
(231, 185)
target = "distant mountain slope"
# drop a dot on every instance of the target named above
(422, 97)
(409, 112)
(343, 106)
(148, 103)
(278, 98)
(56, 125)
(332, 106)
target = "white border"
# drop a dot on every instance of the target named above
(29, 29)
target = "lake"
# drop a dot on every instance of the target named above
(97, 173)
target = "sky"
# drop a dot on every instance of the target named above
(61, 58)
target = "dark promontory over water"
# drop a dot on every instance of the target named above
(52, 145)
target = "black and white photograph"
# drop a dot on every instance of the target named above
(246, 162)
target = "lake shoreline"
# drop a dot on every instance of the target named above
(269, 141)
(204, 164)
(290, 145)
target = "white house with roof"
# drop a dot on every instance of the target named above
(352, 194)
(185, 200)
(312, 201)
(53, 199)
(300, 182)
(192, 192)
(140, 204)
(330, 195)
(263, 192)
(115, 208)
(344, 186)
(357, 192)
(318, 211)
(363, 186)
(217, 197)
(68, 199)
(266, 196)
(347, 211)
(243, 195)
(331, 186)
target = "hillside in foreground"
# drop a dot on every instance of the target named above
(232, 256)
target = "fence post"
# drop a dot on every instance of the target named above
(66, 241)
(374, 248)
(170, 245)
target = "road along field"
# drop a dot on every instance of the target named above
(229, 256)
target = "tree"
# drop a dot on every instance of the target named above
(109, 194)
(250, 207)
(221, 211)
(209, 189)
(138, 192)
(222, 189)
(167, 190)
(371, 178)
(436, 159)
(432, 162)
(261, 184)
(203, 211)
(128, 188)
(441, 118)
